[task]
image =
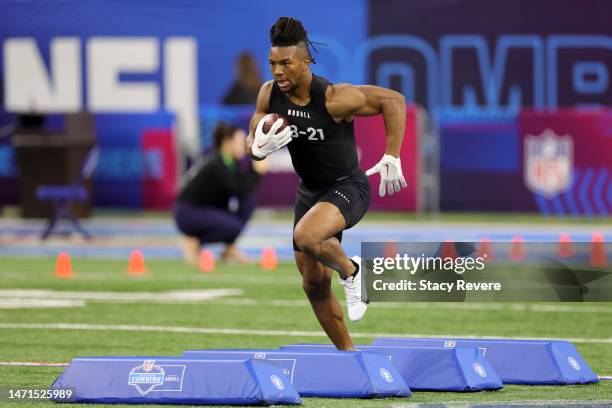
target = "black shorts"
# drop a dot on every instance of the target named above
(351, 196)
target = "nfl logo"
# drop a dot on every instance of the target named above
(148, 365)
(548, 163)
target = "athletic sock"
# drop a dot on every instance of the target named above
(354, 273)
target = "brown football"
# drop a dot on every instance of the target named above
(269, 120)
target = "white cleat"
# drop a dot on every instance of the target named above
(352, 290)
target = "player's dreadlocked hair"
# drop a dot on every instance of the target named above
(290, 31)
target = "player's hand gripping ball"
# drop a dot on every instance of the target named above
(391, 176)
(272, 133)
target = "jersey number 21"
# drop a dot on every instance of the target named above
(312, 133)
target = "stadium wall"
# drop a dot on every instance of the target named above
(142, 58)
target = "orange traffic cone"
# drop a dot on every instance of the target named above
(63, 266)
(448, 250)
(136, 265)
(598, 250)
(268, 259)
(517, 251)
(390, 249)
(206, 263)
(565, 250)
(484, 249)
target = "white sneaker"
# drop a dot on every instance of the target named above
(352, 290)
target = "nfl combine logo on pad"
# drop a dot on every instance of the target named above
(146, 377)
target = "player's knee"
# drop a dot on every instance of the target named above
(316, 288)
(305, 239)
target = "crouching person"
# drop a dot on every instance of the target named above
(215, 199)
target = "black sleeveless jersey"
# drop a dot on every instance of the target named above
(323, 152)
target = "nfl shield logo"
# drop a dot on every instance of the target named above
(148, 365)
(548, 163)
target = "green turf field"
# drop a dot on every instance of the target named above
(270, 312)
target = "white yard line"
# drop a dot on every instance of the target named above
(20, 303)
(216, 295)
(519, 307)
(46, 298)
(255, 278)
(505, 404)
(261, 332)
(31, 364)
(172, 295)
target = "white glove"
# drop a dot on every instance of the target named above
(390, 169)
(267, 143)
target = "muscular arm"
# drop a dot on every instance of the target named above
(344, 101)
(261, 110)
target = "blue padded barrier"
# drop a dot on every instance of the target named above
(518, 361)
(429, 368)
(176, 380)
(326, 374)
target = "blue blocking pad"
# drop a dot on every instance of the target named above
(430, 368)
(176, 380)
(518, 361)
(326, 374)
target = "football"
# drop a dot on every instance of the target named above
(269, 120)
